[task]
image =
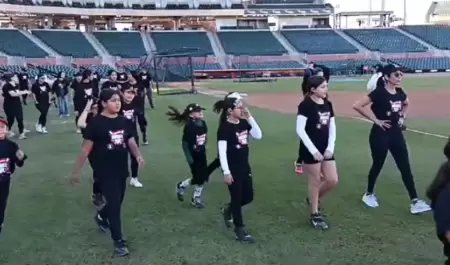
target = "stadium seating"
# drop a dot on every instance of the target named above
(182, 39)
(436, 35)
(385, 40)
(267, 65)
(318, 41)
(14, 43)
(67, 42)
(432, 63)
(244, 43)
(125, 44)
(284, 1)
(342, 67)
(101, 69)
(55, 69)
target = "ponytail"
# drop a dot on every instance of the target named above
(176, 117)
(380, 82)
(221, 107)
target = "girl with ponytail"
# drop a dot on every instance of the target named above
(194, 147)
(439, 194)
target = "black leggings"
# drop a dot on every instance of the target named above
(4, 192)
(14, 112)
(241, 194)
(43, 109)
(142, 121)
(150, 97)
(113, 189)
(393, 141)
(96, 188)
(446, 244)
(199, 170)
(134, 164)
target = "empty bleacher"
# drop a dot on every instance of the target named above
(267, 65)
(250, 43)
(342, 67)
(126, 44)
(436, 35)
(183, 39)
(318, 42)
(431, 63)
(385, 40)
(14, 43)
(67, 42)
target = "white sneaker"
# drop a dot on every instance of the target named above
(22, 136)
(26, 130)
(370, 200)
(419, 206)
(44, 130)
(11, 134)
(78, 131)
(135, 183)
(38, 128)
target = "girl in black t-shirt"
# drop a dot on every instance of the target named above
(193, 142)
(389, 106)
(140, 107)
(111, 83)
(109, 139)
(83, 92)
(60, 89)
(12, 105)
(89, 112)
(10, 157)
(41, 95)
(235, 126)
(129, 110)
(316, 129)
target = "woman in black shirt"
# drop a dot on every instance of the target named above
(145, 86)
(60, 88)
(109, 140)
(24, 84)
(41, 95)
(316, 129)
(236, 125)
(83, 92)
(111, 83)
(129, 110)
(439, 194)
(193, 142)
(389, 105)
(10, 157)
(12, 105)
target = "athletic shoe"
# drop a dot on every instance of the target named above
(180, 192)
(22, 136)
(197, 202)
(298, 168)
(227, 217)
(243, 236)
(318, 221)
(121, 248)
(419, 206)
(145, 142)
(11, 134)
(97, 200)
(370, 199)
(38, 128)
(44, 130)
(26, 130)
(135, 183)
(78, 131)
(102, 224)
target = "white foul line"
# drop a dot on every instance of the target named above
(409, 130)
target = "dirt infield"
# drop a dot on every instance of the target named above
(424, 104)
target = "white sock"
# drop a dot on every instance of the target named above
(186, 183)
(198, 191)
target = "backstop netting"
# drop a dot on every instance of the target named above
(173, 70)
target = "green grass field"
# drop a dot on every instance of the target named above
(49, 222)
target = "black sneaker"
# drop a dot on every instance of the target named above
(180, 192)
(243, 236)
(103, 225)
(318, 221)
(307, 202)
(97, 200)
(121, 248)
(227, 218)
(197, 202)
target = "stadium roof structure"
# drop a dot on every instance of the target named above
(364, 13)
(288, 10)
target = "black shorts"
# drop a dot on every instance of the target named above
(199, 170)
(307, 158)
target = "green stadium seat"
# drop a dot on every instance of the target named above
(126, 44)
(14, 43)
(250, 43)
(67, 42)
(318, 42)
(436, 35)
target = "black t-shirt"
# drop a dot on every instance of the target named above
(122, 77)
(111, 85)
(41, 92)
(387, 106)
(89, 118)
(237, 137)
(8, 100)
(8, 158)
(110, 137)
(60, 87)
(195, 135)
(144, 81)
(83, 92)
(318, 121)
(129, 112)
(23, 81)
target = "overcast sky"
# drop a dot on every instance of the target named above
(416, 9)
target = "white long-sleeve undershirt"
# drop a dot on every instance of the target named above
(301, 132)
(332, 135)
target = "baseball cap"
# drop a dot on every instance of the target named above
(235, 95)
(194, 107)
(389, 69)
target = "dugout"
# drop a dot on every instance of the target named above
(173, 69)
